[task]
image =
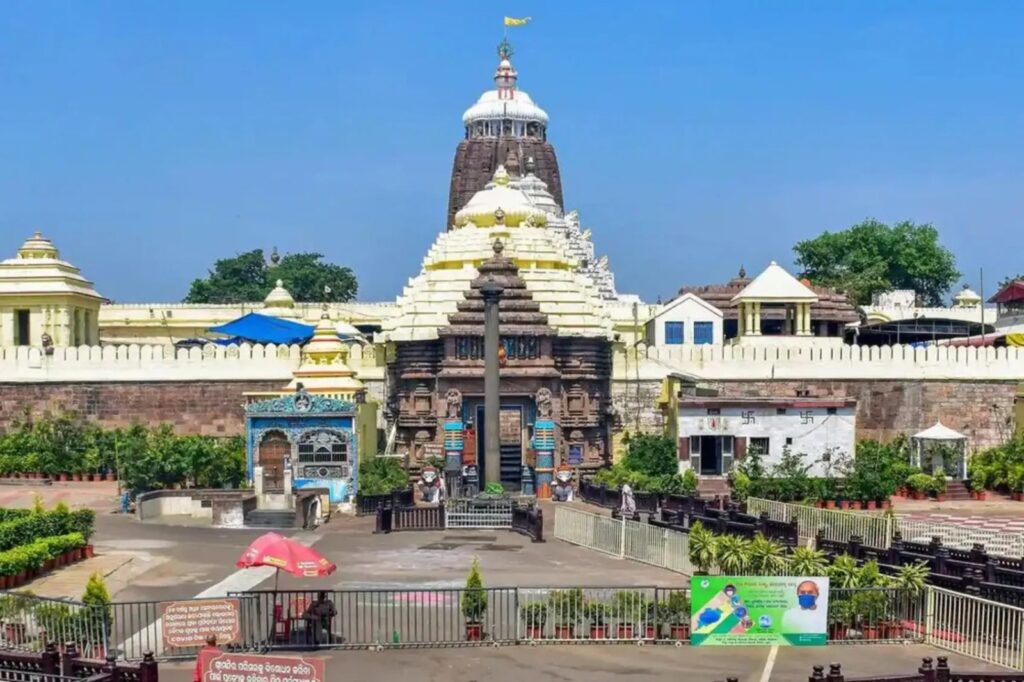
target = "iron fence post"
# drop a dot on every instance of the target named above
(622, 537)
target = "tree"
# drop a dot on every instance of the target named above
(872, 257)
(249, 278)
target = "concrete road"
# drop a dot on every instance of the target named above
(614, 663)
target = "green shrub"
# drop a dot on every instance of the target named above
(566, 606)
(381, 475)
(535, 614)
(919, 483)
(97, 597)
(27, 529)
(676, 609)
(596, 613)
(474, 598)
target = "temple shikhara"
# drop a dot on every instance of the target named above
(766, 361)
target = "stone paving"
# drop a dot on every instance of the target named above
(613, 663)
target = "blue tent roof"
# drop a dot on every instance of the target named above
(256, 328)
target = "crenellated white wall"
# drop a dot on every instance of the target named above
(164, 363)
(844, 362)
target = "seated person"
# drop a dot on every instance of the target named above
(318, 616)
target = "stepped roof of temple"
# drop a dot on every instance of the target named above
(37, 270)
(518, 313)
(506, 100)
(324, 369)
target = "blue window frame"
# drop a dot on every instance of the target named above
(674, 333)
(703, 332)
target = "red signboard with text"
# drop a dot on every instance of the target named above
(218, 666)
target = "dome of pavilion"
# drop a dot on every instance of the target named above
(506, 101)
(279, 301)
(967, 298)
(501, 203)
(38, 270)
(324, 369)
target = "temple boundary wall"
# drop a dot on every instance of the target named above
(841, 362)
(166, 363)
(644, 363)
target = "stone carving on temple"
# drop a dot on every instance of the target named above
(453, 403)
(543, 400)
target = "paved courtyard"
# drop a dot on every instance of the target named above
(614, 663)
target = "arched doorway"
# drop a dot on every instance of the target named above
(274, 448)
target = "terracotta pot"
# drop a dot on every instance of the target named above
(16, 474)
(892, 630)
(837, 631)
(844, 504)
(111, 476)
(534, 632)
(681, 631)
(88, 552)
(48, 565)
(872, 505)
(14, 632)
(871, 632)
(940, 497)
(62, 477)
(474, 632)
(918, 495)
(76, 477)
(1018, 496)
(830, 504)
(820, 504)
(625, 632)
(982, 495)
(886, 504)
(598, 632)
(855, 504)
(563, 632)
(19, 578)
(3, 582)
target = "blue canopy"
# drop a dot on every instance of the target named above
(256, 328)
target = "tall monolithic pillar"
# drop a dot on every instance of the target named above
(491, 291)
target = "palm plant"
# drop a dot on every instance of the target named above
(732, 554)
(702, 544)
(767, 557)
(844, 572)
(805, 561)
(911, 577)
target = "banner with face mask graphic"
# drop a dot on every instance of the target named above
(754, 610)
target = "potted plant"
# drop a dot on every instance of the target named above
(703, 548)
(676, 612)
(597, 614)
(919, 484)
(870, 607)
(565, 607)
(839, 616)
(535, 616)
(474, 603)
(629, 611)
(938, 487)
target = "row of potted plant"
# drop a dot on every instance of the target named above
(20, 564)
(918, 486)
(77, 476)
(629, 612)
(38, 523)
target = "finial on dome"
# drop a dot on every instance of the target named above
(498, 247)
(529, 165)
(501, 176)
(280, 283)
(275, 258)
(499, 216)
(505, 50)
(743, 272)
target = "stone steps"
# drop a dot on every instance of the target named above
(956, 490)
(270, 518)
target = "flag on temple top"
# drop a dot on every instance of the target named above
(512, 21)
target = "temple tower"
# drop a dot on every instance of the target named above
(503, 127)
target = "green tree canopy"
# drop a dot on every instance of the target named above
(872, 257)
(249, 278)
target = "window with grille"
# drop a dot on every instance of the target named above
(323, 447)
(758, 446)
(703, 333)
(674, 333)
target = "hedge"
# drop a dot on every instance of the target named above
(33, 555)
(26, 529)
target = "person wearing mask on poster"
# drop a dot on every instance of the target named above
(808, 616)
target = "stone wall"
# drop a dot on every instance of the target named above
(637, 410)
(982, 410)
(212, 408)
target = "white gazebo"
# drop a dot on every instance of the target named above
(935, 443)
(775, 288)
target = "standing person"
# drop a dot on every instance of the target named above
(211, 646)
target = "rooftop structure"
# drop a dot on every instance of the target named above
(45, 301)
(503, 120)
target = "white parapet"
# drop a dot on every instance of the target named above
(811, 363)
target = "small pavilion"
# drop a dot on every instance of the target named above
(775, 288)
(945, 448)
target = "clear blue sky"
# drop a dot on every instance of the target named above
(149, 138)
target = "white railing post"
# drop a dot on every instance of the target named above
(622, 539)
(929, 614)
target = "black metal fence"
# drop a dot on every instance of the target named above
(370, 504)
(928, 672)
(66, 664)
(648, 502)
(525, 519)
(729, 521)
(972, 571)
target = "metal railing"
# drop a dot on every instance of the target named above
(1004, 542)
(875, 614)
(625, 539)
(876, 530)
(470, 513)
(975, 627)
(30, 622)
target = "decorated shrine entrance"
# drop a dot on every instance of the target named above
(511, 438)
(274, 448)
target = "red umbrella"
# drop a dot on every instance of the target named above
(285, 554)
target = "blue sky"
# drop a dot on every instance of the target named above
(150, 138)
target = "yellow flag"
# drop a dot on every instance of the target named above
(512, 21)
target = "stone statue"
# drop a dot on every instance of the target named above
(543, 400)
(431, 485)
(453, 403)
(628, 508)
(561, 489)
